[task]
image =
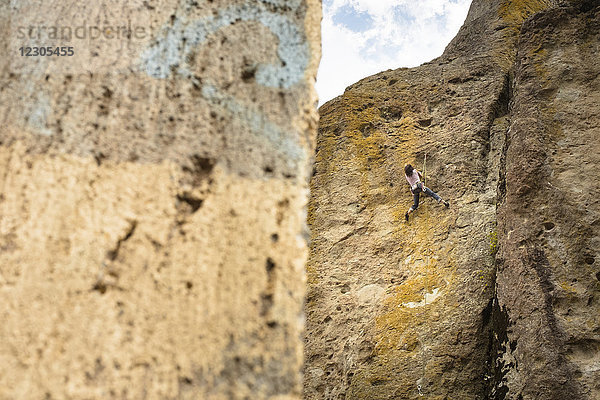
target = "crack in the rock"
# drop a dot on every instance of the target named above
(114, 253)
(496, 317)
(102, 283)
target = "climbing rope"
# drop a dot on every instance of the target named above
(424, 170)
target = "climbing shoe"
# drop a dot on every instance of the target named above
(446, 204)
(406, 217)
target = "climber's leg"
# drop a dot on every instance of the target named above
(434, 195)
(416, 194)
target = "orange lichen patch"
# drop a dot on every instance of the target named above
(411, 136)
(432, 271)
(511, 15)
(515, 12)
(408, 308)
(365, 139)
(363, 119)
(353, 131)
(399, 329)
(539, 57)
(353, 140)
(569, 290)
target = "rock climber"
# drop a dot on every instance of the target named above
(416, 187)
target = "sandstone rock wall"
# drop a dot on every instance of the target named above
(549, 270)
(496, 297)
(152, 195)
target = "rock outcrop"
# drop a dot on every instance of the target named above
(549, 217)
(498, 296)
(152, 198)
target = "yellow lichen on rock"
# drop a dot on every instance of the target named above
(510, 269)
(515, 12)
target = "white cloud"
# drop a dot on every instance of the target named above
(402, 33)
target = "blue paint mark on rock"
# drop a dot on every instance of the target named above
(177, 41)
(259, 124)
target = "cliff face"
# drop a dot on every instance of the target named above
(496, 297)
(549, 217)
(152, 198)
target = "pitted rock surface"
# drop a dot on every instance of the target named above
(495, 297)
(152, 197)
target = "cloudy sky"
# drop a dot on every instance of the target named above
(363, 37)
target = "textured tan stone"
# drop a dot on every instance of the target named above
(478, 301)
(152, 197)
(548, 281)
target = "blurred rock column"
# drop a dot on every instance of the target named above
(153, 183)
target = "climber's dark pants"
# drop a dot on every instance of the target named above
(417, 192)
